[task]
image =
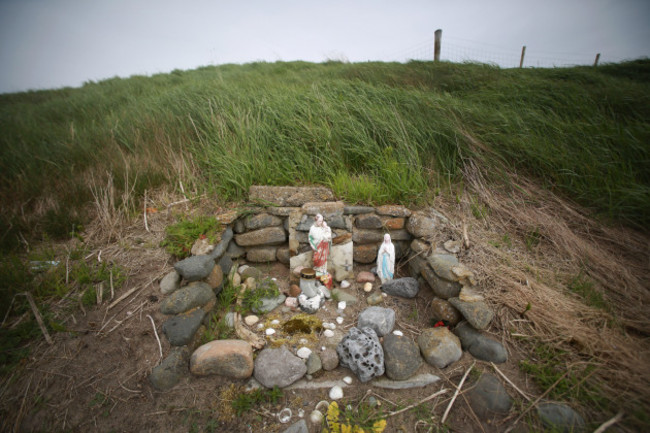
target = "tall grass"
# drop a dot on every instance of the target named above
(374, 132)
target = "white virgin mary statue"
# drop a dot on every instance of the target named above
(386, 260)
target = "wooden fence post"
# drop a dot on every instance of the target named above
(436, 46)
(523, 53)
(596, 61)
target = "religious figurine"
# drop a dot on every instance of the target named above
(386, 260)
(320, 239)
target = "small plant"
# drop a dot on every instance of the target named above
(266, 288)
(181, 236)
(245, 401)
(217, 329)
(584, 287)
(360, 420)
(533, 239)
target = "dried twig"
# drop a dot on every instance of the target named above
(156, 333)
(453, 399)
(111, 282)
(19, 417)
(146, 226)
(465, 237)
(38, 317)
(124, 296)
(509, 381)
(609, 423)
(431, 397)
(9, 310)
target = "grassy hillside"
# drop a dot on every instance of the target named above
(374, 132)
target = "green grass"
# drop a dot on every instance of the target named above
(374, 132)
(244, 402)
(180, 237)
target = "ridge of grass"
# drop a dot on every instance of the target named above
(374, 132)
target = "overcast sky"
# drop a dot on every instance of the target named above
(56, 43)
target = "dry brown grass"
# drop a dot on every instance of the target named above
(517, 277)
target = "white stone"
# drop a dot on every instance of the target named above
(251, 320)
(260, 326)
(316, 417)
(303, 352)
(305, 260)
(342, 305)
(275, 322)
(328, 325)
(270, 331)
(301, 413)
(236, 279)
(367, 287)
(398, 333)
(348, 380)
(345, 284)
(303, 341)
(339, 320)
(328, 333)
(336, 393)
(323, 348)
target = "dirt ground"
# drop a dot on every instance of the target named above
(95, 376)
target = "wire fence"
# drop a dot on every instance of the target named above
(458, 50)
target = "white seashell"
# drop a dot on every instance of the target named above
(348, 380)
(345, 284)
(328, 333)
(301, 413)
(275, 322)
(336, 393)
(339, 320)
(398, 333)
(260, 326)
(270, 331)
(285, 415)
(316, 417)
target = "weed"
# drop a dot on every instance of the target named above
(181, 236)
(584, 287)
(266, 288)
(245, 401)
(359, 419)
(533, 238)
(217, 329)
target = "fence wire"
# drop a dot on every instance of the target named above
(459, 50)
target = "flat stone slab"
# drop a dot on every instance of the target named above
(195, 268)
(180, 329)
(290, 196)
(312, 384)
(198, 294)
(417, 381)
(265, 236)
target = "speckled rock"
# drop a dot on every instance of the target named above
(171, 370)
(407, 287)
(361, 352)
(381, 320)
(393, 210)
(262, 254)
(477, 313)
(443, 310)
(261, 220)
(215, 279)
(442, 288)
(365, 253)
(265, 236)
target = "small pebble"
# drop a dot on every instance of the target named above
(260, 326)
(336, 393)
(367, 287)
(328, 325)
(322, 349)
(303, 352)
(345, 284)
(301, 413)
(342, 305)
(339, 320)
(385, 295)
(275, 322)
(328, 333)
(348, 380)
(251, 320)
(270, 331)
(372, 401)
(316, 417)
(303, 341)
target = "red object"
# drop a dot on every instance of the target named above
(320, 255)
(440, 323)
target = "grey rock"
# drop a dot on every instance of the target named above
(402, 249)
(340, 222)
(180, 329)
(477, 313)
(416, 264)
(314, 363)
(375, 298)
(361, 352)
(381, 320)
(299, 427)
(269, 304)
(423, 224)
(229, 319)
(220, 249)
(278, 367)
(262, 254)
(393, 210)
(443, 310)
(417, 381)
(405, 287)
(195, 268)
(281, 211)
(400, 235)
(442, 288)
(239, 226)
(170, 283)
(188, 297)
(442, 265)
(283, 256)
(489, 398)
(401, 357)
(439, 346)
(226, 263)
(357, 210)
(265, 236)
(368, 221)
(479, 346)
(329, 359)
(260, 221)
(419, 246)
(305, 223)
(166, 375)
(362, 236)
(235, 251)
(249, 272)
(342, 295)
(340, 262)
(329, 210)
(560, 417)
